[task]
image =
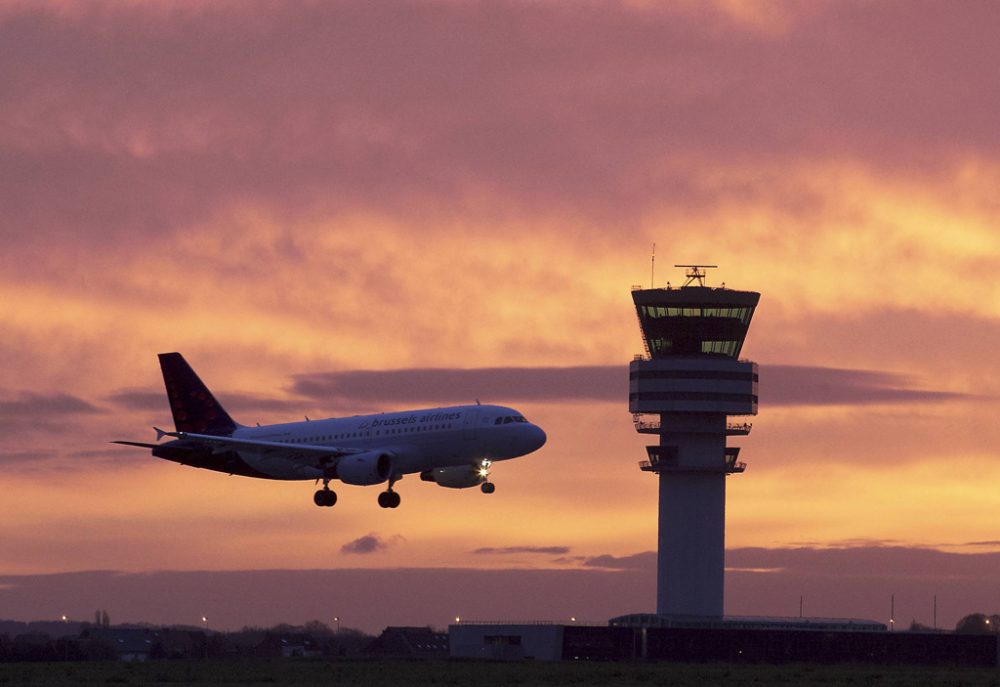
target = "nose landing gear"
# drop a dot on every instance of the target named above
(486, 486)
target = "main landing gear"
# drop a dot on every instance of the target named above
(325, 497)
(389, 498)
(488, 487)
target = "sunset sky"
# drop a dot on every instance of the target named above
(339, 208)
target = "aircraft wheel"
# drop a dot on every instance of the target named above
(385, 499)
(325, 498)
(395, 500)
(488, 487)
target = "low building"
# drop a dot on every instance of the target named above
(411, 642)
(507, 641)
(746, 641)
(291, 645)
(130, 644)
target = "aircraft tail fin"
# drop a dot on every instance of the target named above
(193, 405)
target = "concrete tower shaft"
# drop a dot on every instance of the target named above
(684, 390)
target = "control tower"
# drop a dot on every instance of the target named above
(684, 390)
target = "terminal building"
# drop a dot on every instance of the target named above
(745, 641)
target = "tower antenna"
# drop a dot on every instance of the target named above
(696, 273)
(652, 268)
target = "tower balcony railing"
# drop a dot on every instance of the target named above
(642, 287)
(654, 466)
(666, 459)
(646, 426)
(646, 357)
(732, 464)
(654, 425)
(738, 429)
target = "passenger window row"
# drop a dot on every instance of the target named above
(354, 435)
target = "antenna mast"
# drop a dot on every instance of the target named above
(652, 269)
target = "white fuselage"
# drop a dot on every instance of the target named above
(418, 440)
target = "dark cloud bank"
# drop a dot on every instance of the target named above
(31, 412)
(33, 404)
(516, 550)
(838, 582)
(335, 392)
(235, 402)
(781, 385)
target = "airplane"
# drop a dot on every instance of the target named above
(453, 447)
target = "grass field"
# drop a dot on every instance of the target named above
(477, 674)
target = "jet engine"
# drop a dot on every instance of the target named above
(458, 477)
(364, 468)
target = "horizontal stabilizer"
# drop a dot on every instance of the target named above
(135, 443)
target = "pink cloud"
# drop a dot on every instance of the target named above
(144, 120)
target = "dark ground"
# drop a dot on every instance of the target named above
(478, 674)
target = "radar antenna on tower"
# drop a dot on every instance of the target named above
(696, 273)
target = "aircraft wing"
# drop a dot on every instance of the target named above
(273, 447)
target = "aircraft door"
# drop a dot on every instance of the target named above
(469, 420)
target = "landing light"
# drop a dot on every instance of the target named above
(484, 472)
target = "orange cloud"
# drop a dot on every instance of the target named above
(447, 186)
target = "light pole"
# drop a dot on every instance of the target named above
(65, 639)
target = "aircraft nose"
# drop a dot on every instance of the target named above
(537, 437)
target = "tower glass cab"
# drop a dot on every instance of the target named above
(684, 389)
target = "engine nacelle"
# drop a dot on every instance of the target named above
(458, 477)
(364, 468)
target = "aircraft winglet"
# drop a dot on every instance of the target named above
(160, 433)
